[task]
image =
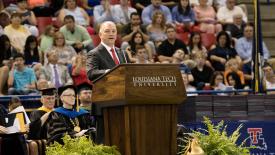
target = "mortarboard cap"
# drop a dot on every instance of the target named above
(63, 88)
(84, 86)
(48, 91)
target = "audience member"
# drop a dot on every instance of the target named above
(140, 5)
(195, 44)
(233, 65)
(234, 80)
(222, 52)
(268, 74)
(244, 45)
(138, 39)
(225, 14)
(201, 73)
(183, 15)
(79, 74)
(156, 29)
(31, 54)
(76, 35)
(141, 55)
(216, 81)
(89, 5)
(122, 12)
(79, 14)
(41, 8)
(56, 74)
(105, 56)
(236, 28)
(179, 57)
(4, 21)
(147, 13)
(46, 40)
(6, 58)
(17, 41)
(103, 12)
(134, 26)
(206, 17)
(28, 17)
(65, 53)
(171, 43)
(188, 88)
(21, 79)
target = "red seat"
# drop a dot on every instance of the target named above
(42, 22)
(96, 39)
(208, 39)
(183, 36)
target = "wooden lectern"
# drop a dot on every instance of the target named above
(139, 103)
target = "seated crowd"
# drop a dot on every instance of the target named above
(211, 42)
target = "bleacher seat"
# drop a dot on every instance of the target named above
(96, 39)
(208, 39)
(42, 22)
(183, 36)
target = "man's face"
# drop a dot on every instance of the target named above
(248, 32)
(142, 54)
(171, 33)
(135, 20)
(268, 71)
(48, 101)
(19, 61)
(85, 96)
(237, 19)
(68, 97)
(16, 20)
(53, 58)
(156, 3)
(230, 4)
(69, 24)
(108, 34)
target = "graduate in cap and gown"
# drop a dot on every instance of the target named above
(68, 119)
(39, 117)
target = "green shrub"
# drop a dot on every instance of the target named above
(80, 146)
(215, 141)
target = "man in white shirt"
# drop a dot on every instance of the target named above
(225, 14)
(122, 12)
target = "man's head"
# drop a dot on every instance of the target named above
(141, 53)
(67, 95)
(170, 32)
(238, 19)
(52, 57)
(22, 4)
(4, 19)
(135, 19)
(230, 4)
(16, 19)
(268, 71)
(19, 60)
(108, 33)
(85, 93)
(248, 31)
(69, 22)
(156, 3)
(48, 98)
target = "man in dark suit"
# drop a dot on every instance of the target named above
(105, 56)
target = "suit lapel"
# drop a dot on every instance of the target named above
(107, 57)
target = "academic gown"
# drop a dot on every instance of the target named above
(11, 144)
(62, 121)
(36, 131)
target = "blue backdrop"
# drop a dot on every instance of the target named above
(260, 134)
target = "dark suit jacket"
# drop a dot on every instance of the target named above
(99, 60)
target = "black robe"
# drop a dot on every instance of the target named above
(60, 124)
(11, 144)
(36, 131)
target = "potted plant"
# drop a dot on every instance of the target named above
(80, 146)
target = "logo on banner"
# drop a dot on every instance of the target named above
(256, 137)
